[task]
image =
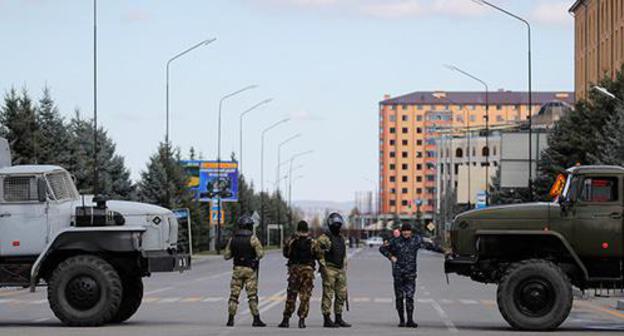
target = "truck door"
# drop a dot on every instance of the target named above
(23, 218)
(598, 222)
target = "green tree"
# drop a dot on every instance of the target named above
(19, 126)
(52, 134)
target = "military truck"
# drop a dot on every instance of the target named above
(90, 253)
(536, 252)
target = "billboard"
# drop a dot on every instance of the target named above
(211, 181)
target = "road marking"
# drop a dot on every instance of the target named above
(469, 302)
(44, 301)
(382, 300)
(192, 299)
(170, 300)
(39, 320)
(449, 324)
(447, 301)
(150, 299)
(361, 299)
(488, 303)
(213, 299)
(424, 300)
(600, 309)
(160, 290)
(7, 301)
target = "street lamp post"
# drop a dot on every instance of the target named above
(202, 43)
(487, 125)
(95, 120)
(290, 181)
(223, 99)
(277, 175)
(530, 107)
(264, 132)
(240, 130)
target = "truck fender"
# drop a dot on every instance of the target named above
(90, 239)
(557, 235)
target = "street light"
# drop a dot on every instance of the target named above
(607, 93)
(264, 132)
(223, 99)
(240, 130)
(200, 44)
(279, 155)
(530, 107)
(487, 124)
(290, 181)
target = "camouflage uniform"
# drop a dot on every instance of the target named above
(404, 270)
(333, 272)
(300, 274)
(244, 277)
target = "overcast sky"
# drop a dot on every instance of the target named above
(327, 63)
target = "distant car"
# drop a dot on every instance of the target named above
(374, 241)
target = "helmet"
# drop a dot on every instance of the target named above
(335, 221)
(245, 223)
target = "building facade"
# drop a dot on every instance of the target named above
(598, 41)
(409, 126)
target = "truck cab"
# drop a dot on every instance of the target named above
(535, 252)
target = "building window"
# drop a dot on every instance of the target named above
(404, 191)
(419, 118)
(392, 191)
(418, 178)
(404, 202)
(392, 130)
(418, 142)
(471, 107)
(499, 118)
(460, 107)
(485, 151)
(392, 178)
(404, 178)
(418, 130)
(392, 166)
(419, 154)
(404, 142)
(473, 118)
(392, 154)
(419, 107)
(494, 150)
(405, 130)
(404, 117)
(459, 118)
(459, 153)
(392, 142)
(418, 167)
(392, 202)
(404, 107)
(499, 107)
(474, 151)
(392, 118)
(430, 178)
(404, 166)
(419, 191)
(404, 155)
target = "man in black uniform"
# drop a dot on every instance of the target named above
(403, 253)
(246, 250)
(302, 252)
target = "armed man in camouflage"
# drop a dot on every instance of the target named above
(403, 252)
(302, 252)
(246, 250)
(333, 272)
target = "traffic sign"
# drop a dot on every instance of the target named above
(431, 227)
(214, 211)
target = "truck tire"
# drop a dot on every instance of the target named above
(534, 295)
(131, 299)
(85, 290)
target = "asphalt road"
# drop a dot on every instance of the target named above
(194, 303)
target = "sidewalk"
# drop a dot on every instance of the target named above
(613, 304)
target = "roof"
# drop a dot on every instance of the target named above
(29, 169)
(596, 169)
(478, 98)
(576, 4)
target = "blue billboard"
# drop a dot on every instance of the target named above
(211, 181)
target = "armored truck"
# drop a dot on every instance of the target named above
(91, 253)
(537, 252)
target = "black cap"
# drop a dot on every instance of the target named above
(406, 227)
(302, 226)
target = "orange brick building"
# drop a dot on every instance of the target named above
(409, 126)
(598, 41)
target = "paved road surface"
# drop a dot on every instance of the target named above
(194, 303)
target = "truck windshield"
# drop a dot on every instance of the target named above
(62, 186)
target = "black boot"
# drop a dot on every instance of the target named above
(302, 323)
(230, 322)
(327, 322)
(284, 323)
(401, 317)
(257, 322)
(340, 322)
(410, 319)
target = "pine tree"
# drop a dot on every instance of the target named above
(611, 139)
(52, 136)
(19, 126)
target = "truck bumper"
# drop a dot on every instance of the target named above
(458, 265)
(166, 261)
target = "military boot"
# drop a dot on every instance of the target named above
(327, 322)
(302, 323)
(257, 322)
(410, 319)
(230, 321)
(340, 322)
(284, 323)
(401, 318)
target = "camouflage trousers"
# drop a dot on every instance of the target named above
(404, 291)
(243, 278)
(300, 283)
(334, 283)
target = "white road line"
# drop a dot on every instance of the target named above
(7, 301)
(160, 290)
(213, 299)
(39, 320)
(449, 324)
(469, 302)
(424, 300)
(446, 301)
(170, 300)
(214, 276)
(382, 300)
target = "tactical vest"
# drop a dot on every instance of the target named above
(242, 252)
(301, 252)
(336, 254)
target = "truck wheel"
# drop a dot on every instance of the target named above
(84, 290)
(131, 299)
(534, 295)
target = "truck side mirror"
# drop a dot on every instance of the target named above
(42, 189)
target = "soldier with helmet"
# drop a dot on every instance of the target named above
(333, 272)
(302, 253)
(246, 251)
